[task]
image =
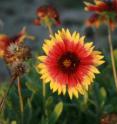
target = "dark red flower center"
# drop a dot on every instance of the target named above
(68, 62)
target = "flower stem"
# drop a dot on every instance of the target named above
(20, 99)
(50, 29)
(49, 26)
(112, 55)
(44, 96)
(3, 100)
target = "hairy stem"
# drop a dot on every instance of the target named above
(44, 96)
(3, 100)
(112, 55)
(20, 98)
(50, 29)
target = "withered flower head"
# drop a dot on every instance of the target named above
(16, 57)
(47, 14)
(18, 68)
(13, 48)
(17, 53)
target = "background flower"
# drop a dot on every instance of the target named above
(97, 20)
(6, 41)
(47, 15)
(105, 12)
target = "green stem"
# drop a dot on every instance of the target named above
(2, 102)
(44, 97)
(20, 99)
(112, 55)
(50, 29)
(44, 85)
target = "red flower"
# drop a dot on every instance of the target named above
(105, 12)
(93, 20)
(115, 5)
(96, 20)
(109, 119)
(45, 13)
(102, 6)
(5, 40)
(69, 64)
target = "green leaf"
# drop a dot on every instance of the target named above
(108, 108)
(115, 55)
(34, 87)
(49, 101)
(43, 120)
(56, 113)
(102, 96)
(13, 122)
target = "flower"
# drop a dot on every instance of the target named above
(102, 6)
(69, 64)
(6, 41)
(105, 12)
(17, 53)
(93, 20)
(110, 118)
(47, 14)
(96, 20)
(19, 69)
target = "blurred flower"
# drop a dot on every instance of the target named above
(18, 68)
(12, 48)
(109, 119)
(6, 41)
(102, 6)
(47, 15)
(69, 63)
(17, 53)
(105, 12)
(95, 20)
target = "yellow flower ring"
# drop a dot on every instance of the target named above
(69, 64)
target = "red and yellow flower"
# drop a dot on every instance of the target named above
(47, 14)
(69, 64)
(96, 20)
(102, 6)
(105, 12)
(5, 40)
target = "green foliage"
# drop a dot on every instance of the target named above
(100, 99)
(115, 55)
(56, 113)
